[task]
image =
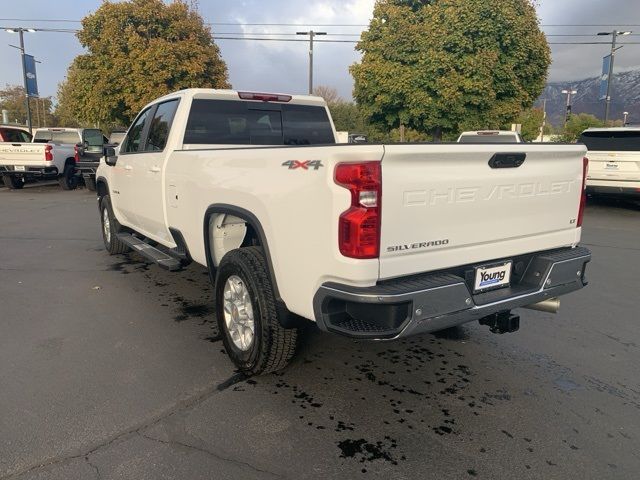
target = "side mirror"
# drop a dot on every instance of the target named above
(110, 156)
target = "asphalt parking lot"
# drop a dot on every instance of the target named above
(113, 368)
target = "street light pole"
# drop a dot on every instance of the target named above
(614, 34)
(312, 35)
(626, 115)
(569, 94)
(21, 31)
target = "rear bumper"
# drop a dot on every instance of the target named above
(596, 187)
(38, 171)
(87, 168)
(434, 301)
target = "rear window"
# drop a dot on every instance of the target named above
(14, 135)
(231, 122)
(44, 136)
(611, 141)
(488, 139)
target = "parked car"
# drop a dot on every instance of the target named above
(369, 241)
(54, 153)
(490, 136)
(89, 144)
(615, 160)
(116, 137)
(13, 133)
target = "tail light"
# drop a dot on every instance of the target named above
(76, 153)
(48, 155)
(583, 198)
(359, 226)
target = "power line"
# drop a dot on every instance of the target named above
(67, 20)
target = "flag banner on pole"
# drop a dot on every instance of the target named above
(32, 79)
(604, 79)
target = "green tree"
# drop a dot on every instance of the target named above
(531, 121)
(442, 66)
(12, 99)
(578, 124)
(137, 50)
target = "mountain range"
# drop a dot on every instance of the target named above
(625, 97)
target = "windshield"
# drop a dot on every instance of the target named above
(488, 139)
(44, 136)
(612, 141)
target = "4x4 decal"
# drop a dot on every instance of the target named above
(304, 165)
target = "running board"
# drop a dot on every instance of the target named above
(151, 253)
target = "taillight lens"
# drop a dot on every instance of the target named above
(359, 226)
(48, 155)
(76, 153)
(583, 198)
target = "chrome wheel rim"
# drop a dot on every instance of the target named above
(238, 313)
(106, 225)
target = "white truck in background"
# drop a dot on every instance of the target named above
(614, 155)
(369, 241)
(54, 153)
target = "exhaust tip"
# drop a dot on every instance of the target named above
(551, 305)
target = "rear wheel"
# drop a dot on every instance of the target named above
(110, 228)
(68, 179)
(90, 183)
(13, 182)
(247, 316)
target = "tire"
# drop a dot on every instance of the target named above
(12, 182)
(110, 227)
(272, 346)
(90, 183)
(68, 179)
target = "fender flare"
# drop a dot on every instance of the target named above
(287, 319)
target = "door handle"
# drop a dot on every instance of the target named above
(154, 169)
(128, 167)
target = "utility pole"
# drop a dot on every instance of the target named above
(311, 35)
(569, 93)
(614, 38)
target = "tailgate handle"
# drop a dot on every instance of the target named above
(507, 160)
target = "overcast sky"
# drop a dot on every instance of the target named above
(283, 66)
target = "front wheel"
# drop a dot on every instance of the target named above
(110, 228)
(68, 179)
(12, 182)
(247, 316)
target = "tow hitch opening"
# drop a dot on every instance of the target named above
(501, 322)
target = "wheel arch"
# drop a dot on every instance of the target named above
(287, 319)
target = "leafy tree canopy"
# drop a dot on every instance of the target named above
(444, 66)
(138, 50)
(12, 99)
(578, 124)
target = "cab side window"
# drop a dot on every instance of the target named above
(161, 126)
(132, 142)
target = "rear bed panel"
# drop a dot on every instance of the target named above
(443, 205)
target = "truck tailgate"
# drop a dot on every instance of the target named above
(28, 154)
(614, 166)
(443, 205)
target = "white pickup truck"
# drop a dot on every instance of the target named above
(369, 241)
(54, 153)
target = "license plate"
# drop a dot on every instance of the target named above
(19, 168)
(492, 276)
(611, 166)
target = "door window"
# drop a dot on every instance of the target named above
(132, 142)
(160, 126)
